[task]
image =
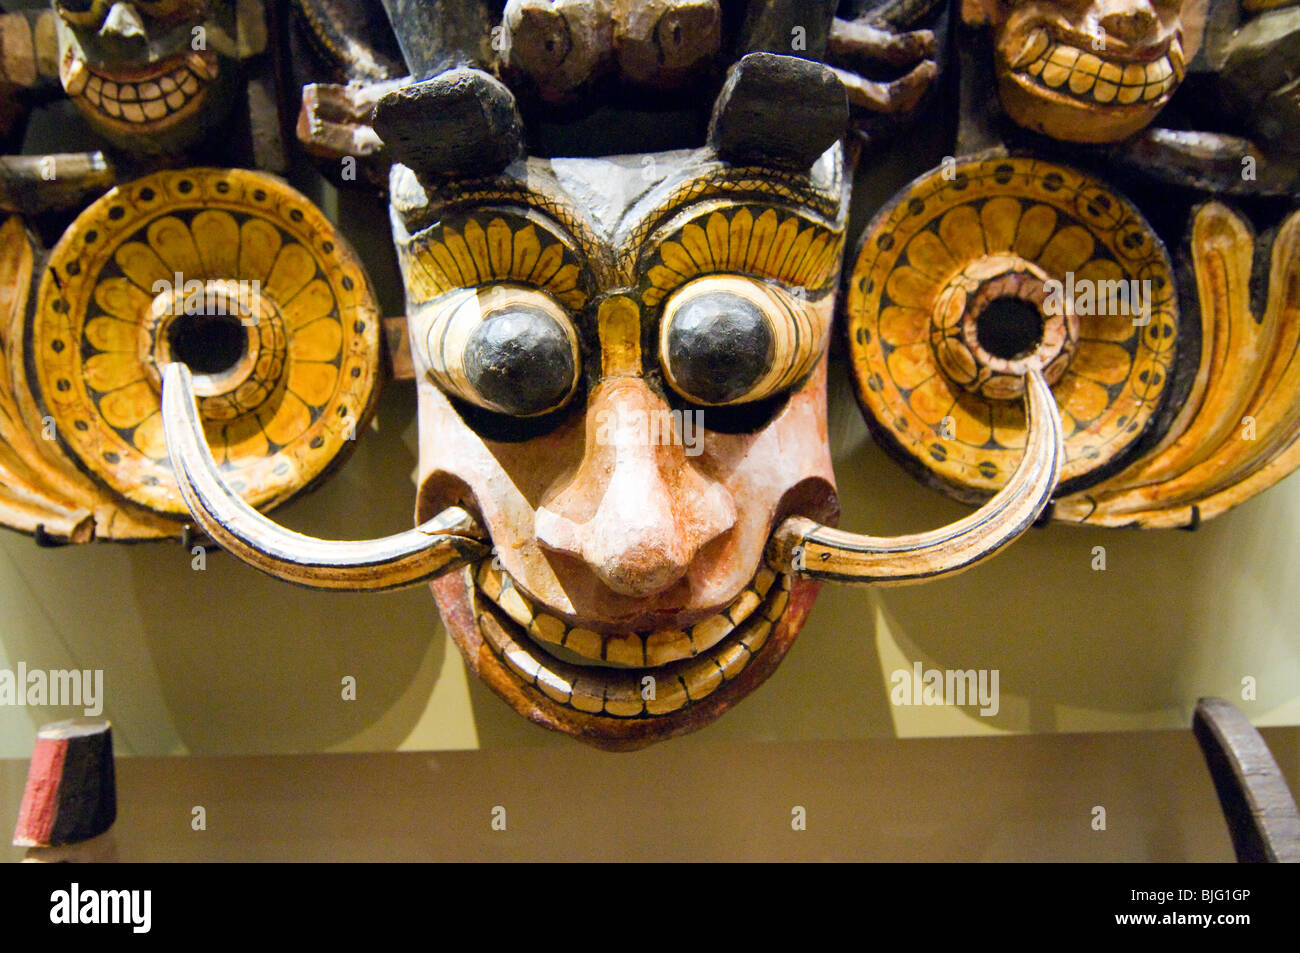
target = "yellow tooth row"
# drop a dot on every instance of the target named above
(142, 102)
(1086, 74)
(631, 649)
(622, 694)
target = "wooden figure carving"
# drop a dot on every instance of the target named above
(343, 57)
(155, 76)
(1095, 71)
(621, 366)
(232, 274)
(1236, 432)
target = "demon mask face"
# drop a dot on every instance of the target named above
(621, 363)
(1084, 70)
(622, 372)
(149, 75)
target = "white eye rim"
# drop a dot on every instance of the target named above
(440, 330)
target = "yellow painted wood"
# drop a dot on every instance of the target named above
(292, 403)
(1237, 433)
(931, 242)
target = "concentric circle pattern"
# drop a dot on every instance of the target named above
(170, 251)
(974, 241)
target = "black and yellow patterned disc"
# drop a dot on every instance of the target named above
(244, 279)
(984, 268)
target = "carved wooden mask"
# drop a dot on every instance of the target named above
(621, 364)
(149, 75)
(622, 367)
(1085, 71)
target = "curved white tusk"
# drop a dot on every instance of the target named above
(809, 549)
(438, 546)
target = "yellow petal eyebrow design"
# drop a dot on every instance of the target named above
(769, 243)
(494, 247)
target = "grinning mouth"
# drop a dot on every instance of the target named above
(1062, 69)
(157, 95)
(632, 674)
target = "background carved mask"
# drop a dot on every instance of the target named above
(149, 74)
(1090, 71)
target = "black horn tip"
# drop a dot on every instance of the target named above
(778, 109)
(460, 122)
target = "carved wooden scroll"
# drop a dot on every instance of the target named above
(1236, 432)
(971, 278)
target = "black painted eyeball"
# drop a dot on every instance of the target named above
(520, 360)
(718, 346)
(727, 339)
(506, 348)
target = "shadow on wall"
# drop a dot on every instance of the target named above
(1172, 616)
(226, 660)
(250, 664)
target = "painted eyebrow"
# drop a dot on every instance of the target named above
(773, 242)
(492, 245)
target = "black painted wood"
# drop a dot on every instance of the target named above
(521, 361)
(460, 122)
(780, 109)
(719, 346)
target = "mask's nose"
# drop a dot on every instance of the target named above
(637, 511)
(1130, 21)
(123, 29)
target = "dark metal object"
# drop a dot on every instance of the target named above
(1257, 804)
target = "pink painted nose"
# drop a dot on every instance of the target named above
(637, 511)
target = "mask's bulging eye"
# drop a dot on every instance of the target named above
(505, 348)
(718, 345)
(730, 340)
(520, 360)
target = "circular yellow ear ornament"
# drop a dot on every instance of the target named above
(241, 278)
(984, 269)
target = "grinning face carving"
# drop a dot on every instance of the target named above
(148, 75)
(1086, 70)
(621, 367)
(625, 383)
